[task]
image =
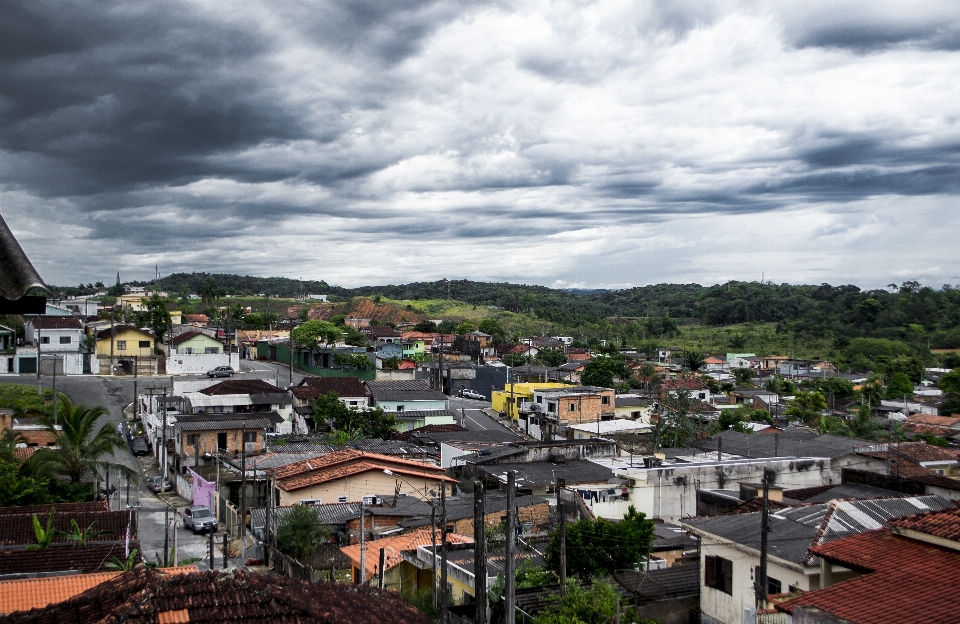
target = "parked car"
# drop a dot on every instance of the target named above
(157, 484)
(198, 518)
(472, 394)
(221, 371)
(139, 446)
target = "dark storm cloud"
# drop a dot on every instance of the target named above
(538, 133)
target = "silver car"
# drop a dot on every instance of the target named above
(198, 518)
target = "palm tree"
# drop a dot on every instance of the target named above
(81, 448)
(693, 359)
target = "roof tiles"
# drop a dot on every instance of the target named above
(394, 546)
(35, 593)
(241, 386)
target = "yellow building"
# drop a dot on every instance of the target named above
(128, 341)
(399, 575)
(134, 301)
(514, 395)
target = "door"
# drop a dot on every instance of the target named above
(222, 441)
(28, 365)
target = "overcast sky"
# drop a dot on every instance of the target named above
(566, 143)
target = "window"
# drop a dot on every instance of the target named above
(773, 585)
(144, 344)
(605, 400)
(573, 407)
(249, 436)
(188, 351)
(65, 339)
(718, 574)
(551, 407)
(121, 345)
(702, 396)
(193, 439)
(341, 499)
(540, 400)
(45, 340)
(211, 349)
(399, 408)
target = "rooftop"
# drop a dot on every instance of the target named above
(791, 442)
(794, 530)
(17, 530)
(56, 322)
(143, 595)
(534, 474)
(404, 391)
(905, 581)
(36, 593)
(241, 386)
(313, 387)
(394, 547)
(61, 558)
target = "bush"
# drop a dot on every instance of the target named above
(301, 532)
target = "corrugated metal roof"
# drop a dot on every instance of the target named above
(17, 274)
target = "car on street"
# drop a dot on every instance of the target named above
(158, 484)
(471, 394)
(199, 518)
(221, 371)
(139, 446)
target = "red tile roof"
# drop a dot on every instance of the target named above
(185, 336)
(36, 593)
(143, 595)
(930, 419)
(17, 530)
(395, 546)
(63, 557)
(87, 507)
(687, 383)
(312, 387)
(241, 386)
(945, 432)
(943, 524)
(348, 470)
(905, 581)
(347, 456)
(57, 322)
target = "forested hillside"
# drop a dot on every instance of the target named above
(911, 312)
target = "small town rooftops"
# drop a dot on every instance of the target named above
(313, 387)
(241, 386)
(404, 391)
(56, 322)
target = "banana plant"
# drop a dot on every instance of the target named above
(44, 535)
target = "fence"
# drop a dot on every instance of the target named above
(288, 566)
(227, 514)
(184, 487)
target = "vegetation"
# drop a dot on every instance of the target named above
(122, 564)
(43, 534)
(82, 449)
(312, 332)
(596, 604)
(602, 547)
(300, 532)
(351, 422)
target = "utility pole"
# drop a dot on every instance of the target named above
(113, 336)
(433, 530)
(480, 554)
(291, 354)
(39, 389)
(761, 582)
(243, 481)
(562, 517)
(163, 437)
(509, 567)
(55, 401)
(383, 561)
(363, 545)
(443, 554)
(166, 535)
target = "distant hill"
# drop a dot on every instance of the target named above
(911, 312)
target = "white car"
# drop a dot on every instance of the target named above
(472, 394)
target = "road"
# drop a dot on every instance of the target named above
(470, 414)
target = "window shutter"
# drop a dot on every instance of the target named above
(710, 571)
(727, 574)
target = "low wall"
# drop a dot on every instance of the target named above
(187, 363)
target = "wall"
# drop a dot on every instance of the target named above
(412, 406)
(208, 441)
(729, 608)
(537, 516)
(133, 348)
(670, 492)
(396, 375)
(75, 336)
(201, 362)
(373, 482)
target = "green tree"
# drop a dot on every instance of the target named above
(594, 605)
(43, 534)
(899, 386)
(602, 547)
(466, 327)
(950, 383)
(863, 425)
(447, 327)
(743, 376)
(81, 448)
(300, 532)
(311, 332)
(552, 357)
(602, 370)
(122, 564)
(806, 406)
(155, 316)
(209, 291)
(425, 326)
(738, 341)
(693, 359)
(491, 326)
(81, 537)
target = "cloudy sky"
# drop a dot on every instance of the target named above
(564, 143)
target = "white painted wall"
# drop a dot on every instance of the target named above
(179, 364)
